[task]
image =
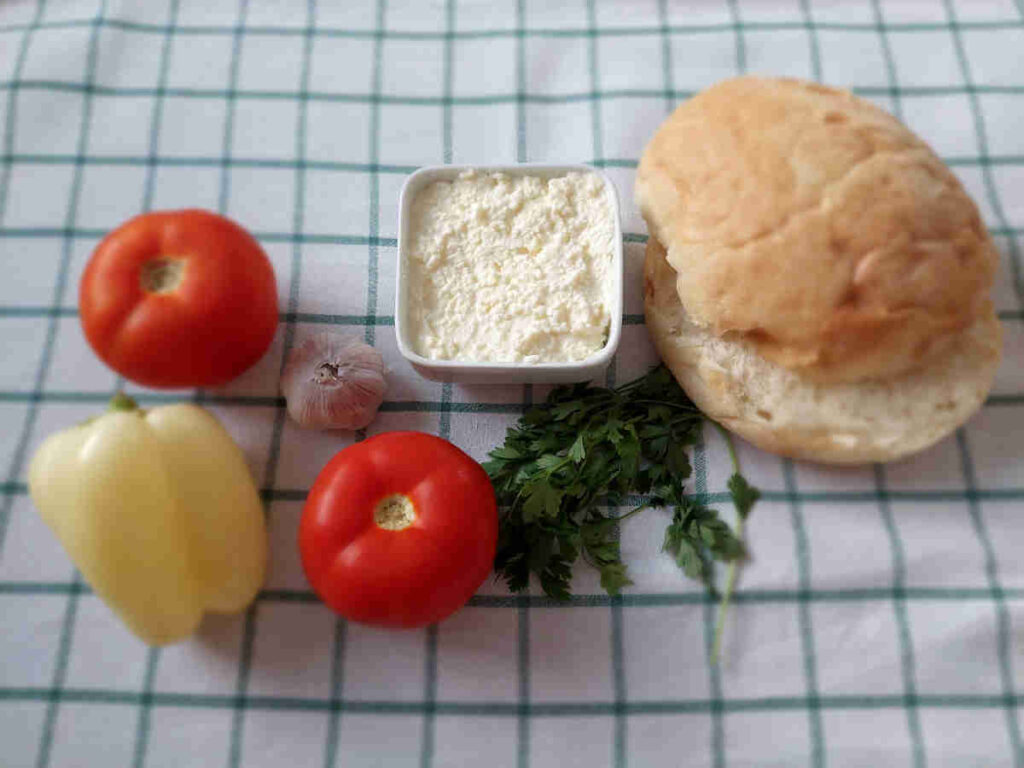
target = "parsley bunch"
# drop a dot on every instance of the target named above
(586, 450)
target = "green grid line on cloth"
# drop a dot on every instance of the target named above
(908, 665)
(18, 460)
(340, 639)
(803, 558)
(337, 690)
(374, 228)
(153, 154)
(523, 656)
(907, 662)
(273, 456)
(615, 640)
(666, 56)
(812, 32)
(717, 700)
(522, 684)
(429, 697)
(384, 321)
(90, 233)
(738, 30)
(70, 613)
(143, 727)
(11, 109)
(235, 744)
(438, 101)
(339, 642)
(838, 497)
(631, 600)
(981, 135)
(323, 319)
(834, 497)
(718, 725)
(227, 159)
(686, 29)
(328, 165)
(510, 710)
(618, 682)
(966, 459)
(1004, 643)
(444, 428)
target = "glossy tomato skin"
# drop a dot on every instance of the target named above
(399, 578)
(214, 324)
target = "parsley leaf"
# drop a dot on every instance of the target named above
(578, 451)
(542, 500)
(583, 451)
(614, 578)
(743, 494)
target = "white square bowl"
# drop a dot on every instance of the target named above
(467, 371)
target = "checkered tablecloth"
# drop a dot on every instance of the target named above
(880, 622)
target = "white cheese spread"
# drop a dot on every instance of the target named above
(510, 268)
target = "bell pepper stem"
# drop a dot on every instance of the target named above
(121, 402)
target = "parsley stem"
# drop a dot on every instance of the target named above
(730, 585)
(730, 579)
(631, 512)
(677, 406)
(727, 436)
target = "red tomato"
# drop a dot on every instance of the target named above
(399, 530)
(179, 299)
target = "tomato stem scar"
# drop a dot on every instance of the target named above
(395, 512)
(162, 275)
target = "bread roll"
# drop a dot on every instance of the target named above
(815, 226)
(784, 412)
(816, 279)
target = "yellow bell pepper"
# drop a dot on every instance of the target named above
(159, 512)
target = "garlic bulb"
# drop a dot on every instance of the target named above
(332, 381)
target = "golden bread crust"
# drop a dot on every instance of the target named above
(816, 227)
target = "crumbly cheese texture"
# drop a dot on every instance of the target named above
(505, 268)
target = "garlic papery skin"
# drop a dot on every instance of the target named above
(333, 381)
